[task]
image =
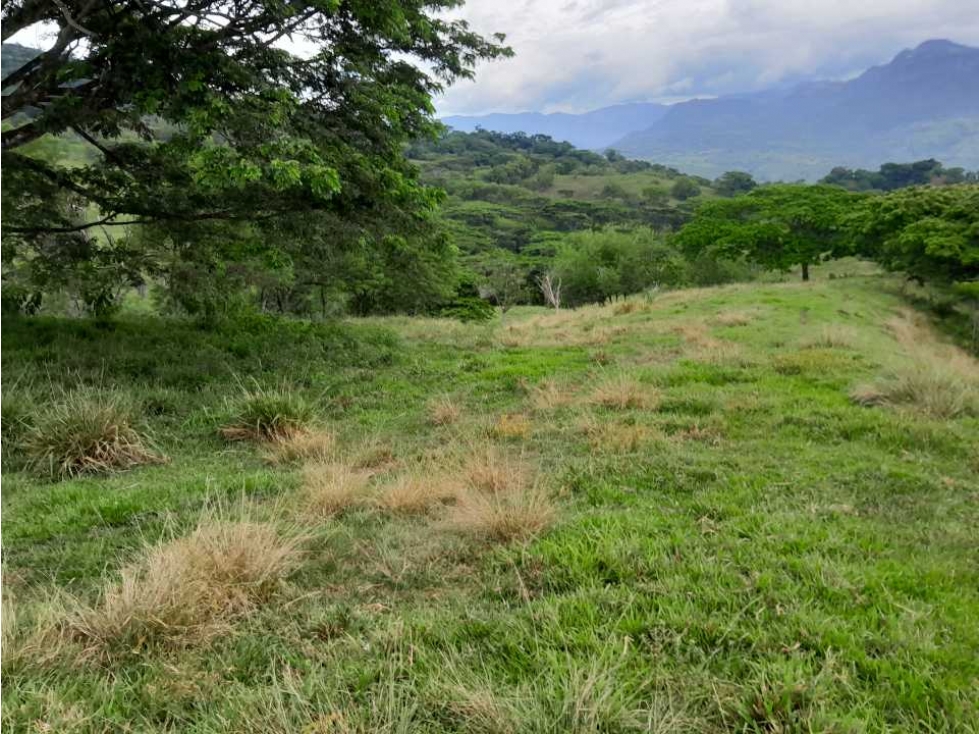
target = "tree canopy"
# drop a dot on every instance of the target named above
(778, 227)
(932, 234)
(199, 114)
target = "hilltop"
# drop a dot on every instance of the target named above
(666, 513)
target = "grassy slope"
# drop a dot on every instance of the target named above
(750, 551)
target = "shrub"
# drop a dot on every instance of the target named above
(86, 433)
(186, 590)
(268, 415)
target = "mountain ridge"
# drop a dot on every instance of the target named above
(923, 103)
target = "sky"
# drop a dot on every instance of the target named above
(577, 55)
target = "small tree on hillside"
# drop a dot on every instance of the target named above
(779, 227)
(685, 188)
(506, 281)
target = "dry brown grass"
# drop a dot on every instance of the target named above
(512, 426)
(419, 491)
(490, 471)
(940, 379)
(615, 437)
(186, 590)
(733, 318)
(503, 516)
(307, 445)
(332, 487)
(627, 307)
(443, 411)
(548, 395)
(624, 393)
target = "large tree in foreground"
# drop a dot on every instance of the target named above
(195, 112)
(198, 112)
(778, 227)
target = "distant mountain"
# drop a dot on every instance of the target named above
(595, 130)
(923, 104)
(14, 56)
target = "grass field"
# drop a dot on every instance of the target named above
(750, 508)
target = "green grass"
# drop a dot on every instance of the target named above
(748, 549)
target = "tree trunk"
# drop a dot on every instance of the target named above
(805, 271)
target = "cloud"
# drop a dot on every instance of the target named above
(574, 55)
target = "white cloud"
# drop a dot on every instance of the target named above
(580, 54)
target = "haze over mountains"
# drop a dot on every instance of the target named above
(922, 104)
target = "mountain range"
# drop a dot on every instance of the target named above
(922, 104)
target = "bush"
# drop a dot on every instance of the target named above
(86, 433)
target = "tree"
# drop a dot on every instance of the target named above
(685, 188)
(932, 234)
(505, 279)
(196, 113)
(595, 266)
(734, 183)
(550, 288)
(778, 227)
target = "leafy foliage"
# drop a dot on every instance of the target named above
(778, 226)
(932, 234)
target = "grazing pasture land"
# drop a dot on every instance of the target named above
(749, 508)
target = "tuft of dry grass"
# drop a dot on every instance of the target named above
(733, 318)
(187, 590)
(315, 445)
(512, 426)
(491, 472)
(86, 433)
(443, 411)
(548, 395)
(941, 390)
(832, 336)
(418, 492)
(940, 380)
(615, 437)
(332, 487)
(503, 516)
(623, 393)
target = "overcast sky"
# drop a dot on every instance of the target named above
(576, 55)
